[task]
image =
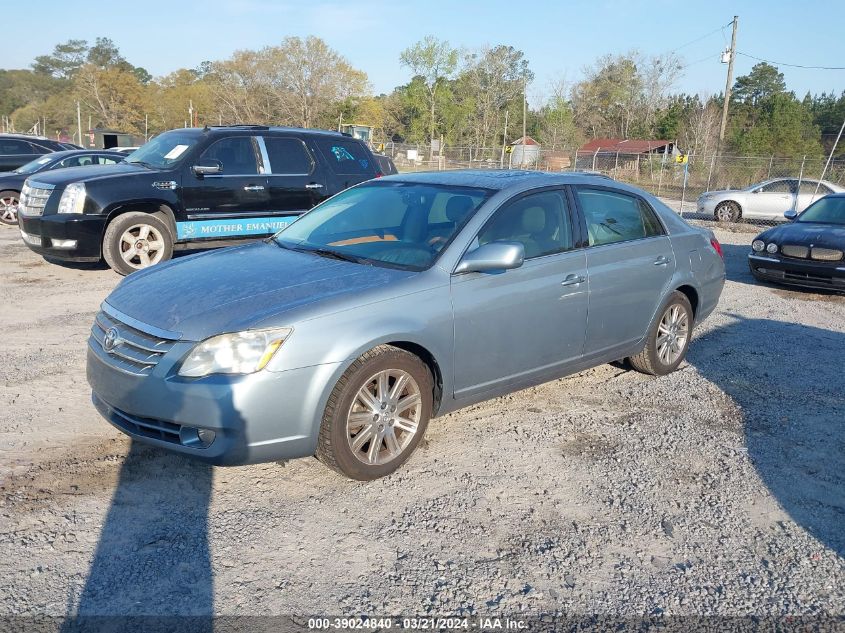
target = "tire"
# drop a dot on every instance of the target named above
(674, 319)
(728, 211)
(9, 206)
(134, 241)
(355, 437)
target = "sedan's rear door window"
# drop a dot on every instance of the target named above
(613, 216)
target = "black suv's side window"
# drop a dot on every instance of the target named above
(288, 156)
(346, 157)
(236, 154)
(13, 146)
(613, 216)
(539, 220)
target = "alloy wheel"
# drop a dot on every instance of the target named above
(672, 334)
(384, 417)
(141, 245)
(9, 210)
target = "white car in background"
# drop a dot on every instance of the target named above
(767, 200)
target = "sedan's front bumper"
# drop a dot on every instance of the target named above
(259, 417)
(808, 274)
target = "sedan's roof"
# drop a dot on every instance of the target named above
(497, 179)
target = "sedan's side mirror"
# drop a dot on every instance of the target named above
(791, 214)
(208, 167)
(493, 256)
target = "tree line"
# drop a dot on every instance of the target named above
(469, 98)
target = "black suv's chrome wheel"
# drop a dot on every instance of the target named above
(136, 240)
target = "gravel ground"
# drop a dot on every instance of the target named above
(718, 490)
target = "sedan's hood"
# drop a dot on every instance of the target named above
(807, 233)
(90, 173)
(235, 288)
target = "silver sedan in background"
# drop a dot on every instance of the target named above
(398, 300)
(767, 200)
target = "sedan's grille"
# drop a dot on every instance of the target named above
(791, 250)
(826, 254)
(34, 198)
(127, 347)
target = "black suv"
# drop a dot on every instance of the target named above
(19, 149)
(187, 188)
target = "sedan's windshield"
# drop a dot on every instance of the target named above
(396, 224)
(164, 150)
(829, 210)
(34, 165)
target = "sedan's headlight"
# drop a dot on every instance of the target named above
(73, 198)
(758, 245)
(772, 248)
(237, 353)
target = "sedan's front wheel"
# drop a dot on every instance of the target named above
(377, 414)
(9, 207)
(668, 340)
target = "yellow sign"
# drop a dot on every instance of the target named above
(682, 159)
(509, 149)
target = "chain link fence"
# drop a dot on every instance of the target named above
(745, 190)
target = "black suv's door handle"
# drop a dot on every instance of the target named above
(254, 188)
(314, 185)
(573, 280)
(661, 261)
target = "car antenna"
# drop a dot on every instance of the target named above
(206, 128)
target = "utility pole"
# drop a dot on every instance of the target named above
(191, 111)
(729, 82)
(524, 109)
(504, 142)
(79, 122)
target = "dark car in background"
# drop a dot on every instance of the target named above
(385, 165)
(193, 187)
(11, 182)
(809, 251)
(19, 149)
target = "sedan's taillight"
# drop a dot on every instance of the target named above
(717, 247)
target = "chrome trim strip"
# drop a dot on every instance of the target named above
(764, 259)
(140, 325)
(265, 159)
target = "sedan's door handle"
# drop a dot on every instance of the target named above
(314, 185)
(254, 188)
(573, 280)
(661, 261)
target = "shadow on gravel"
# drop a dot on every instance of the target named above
(153, 556)
(787, 379)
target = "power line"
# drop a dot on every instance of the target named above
(698, 39)
(769, 61)
(698, 61)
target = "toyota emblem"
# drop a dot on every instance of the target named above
(112, 339)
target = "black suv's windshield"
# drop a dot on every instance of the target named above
(164, 150)
(826, 211)
(396, 224)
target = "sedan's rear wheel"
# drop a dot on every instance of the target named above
(668, 339)
(377, 414)
(727, 212)
(9, 201)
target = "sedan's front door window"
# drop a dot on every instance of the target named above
(613, 216)
(540, 221)
(778, 186)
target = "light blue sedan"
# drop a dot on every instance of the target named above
(396, 301)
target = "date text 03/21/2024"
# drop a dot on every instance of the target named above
(420, 624)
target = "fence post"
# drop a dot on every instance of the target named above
(800, 178)
(710, 173)
(660, 179)
(616, 166)
(575, 160)
(771, 160)
(594, 158)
